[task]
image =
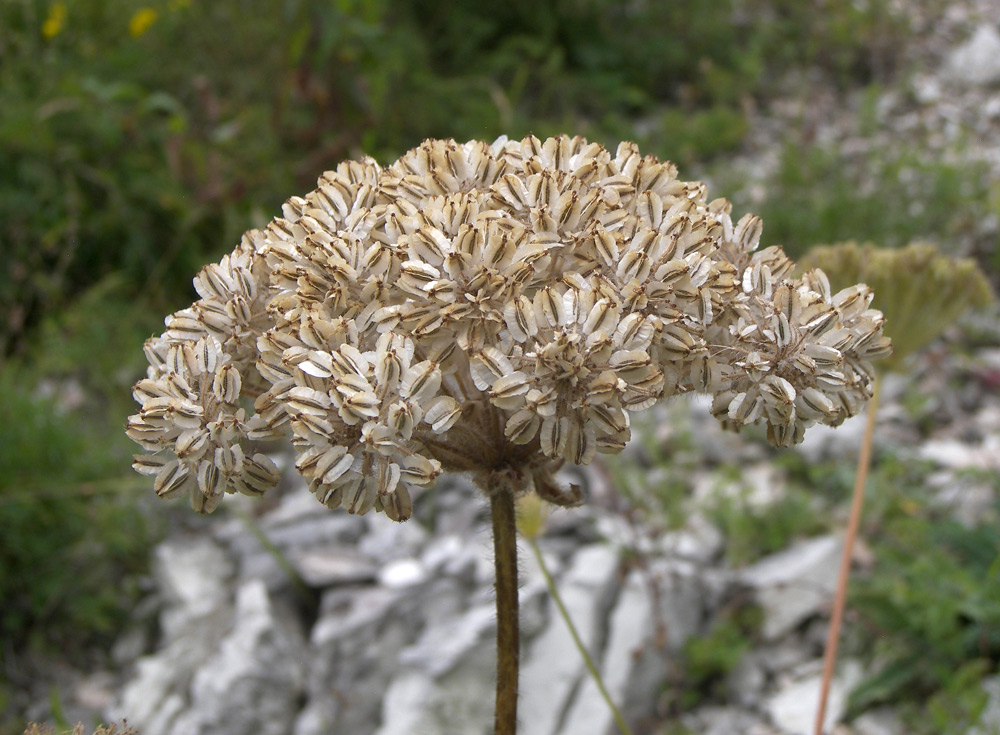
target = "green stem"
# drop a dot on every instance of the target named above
(508, 634)
(576, 639)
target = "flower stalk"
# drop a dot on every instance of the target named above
(844, 573)
(508, 629)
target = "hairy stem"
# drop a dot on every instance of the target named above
(837, 616)
(508, 634)
(594, 673)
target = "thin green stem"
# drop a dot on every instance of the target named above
(508, 634)
(577, 640)
(837, 617)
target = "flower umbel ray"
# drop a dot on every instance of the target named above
(487, 308)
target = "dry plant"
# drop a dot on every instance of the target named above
(35, 729)
(921, 292)
(494, 309)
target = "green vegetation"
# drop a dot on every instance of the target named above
(142, 138)
(889, 196)
(753, 531)
(75, 540)
(707, 660)
(928, 613)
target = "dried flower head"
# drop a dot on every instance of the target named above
(483, 308)
(920, 291)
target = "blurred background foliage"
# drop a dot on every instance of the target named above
(140, 138)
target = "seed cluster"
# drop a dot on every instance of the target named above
(474, 307)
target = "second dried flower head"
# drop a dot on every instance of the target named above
(482, 308)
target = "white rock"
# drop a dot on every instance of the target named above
(795, 583)
(156, 692)
(698, 540)
(881, 721)
(445, 642)
(459, 703)
(354, 651)
(632, 666)
(950, 453)
(322, 567)
(725, 721)
(793, 708)
(193, 576)
(404, 703)
(386, 540)
(552, 665)
(977, 61)
(254, 681)
(402, 573)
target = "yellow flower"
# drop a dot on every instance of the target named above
(141, 21)
(55, 21)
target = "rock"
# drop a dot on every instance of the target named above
(969, 500)
(956, 454)
(746, 682)
(881, 721)
(698, 540)
(725, 721)
(643, 634)
(386, 540)
(353, 652)
(400, 573)
(192, 576)
(444, 644)
(795, 583)
(325, 567)
(758, 485)
(552, 666)
(405, 700)
(254, 680)
(459, 703)
(793, 707)
(302, 530)
(977, 61)
(155, 695)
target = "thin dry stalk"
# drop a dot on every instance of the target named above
(837, 617)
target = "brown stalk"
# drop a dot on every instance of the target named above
(508, 636)
(837, 616)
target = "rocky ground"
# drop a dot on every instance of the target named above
(301, 621)
(346, 624)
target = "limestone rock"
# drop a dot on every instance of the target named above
(553, 667)
(977, 61)
(795, 583)
(793, 707)
(644, 630)
(254, 680)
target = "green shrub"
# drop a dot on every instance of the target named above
(929, 613)
(72, 541)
